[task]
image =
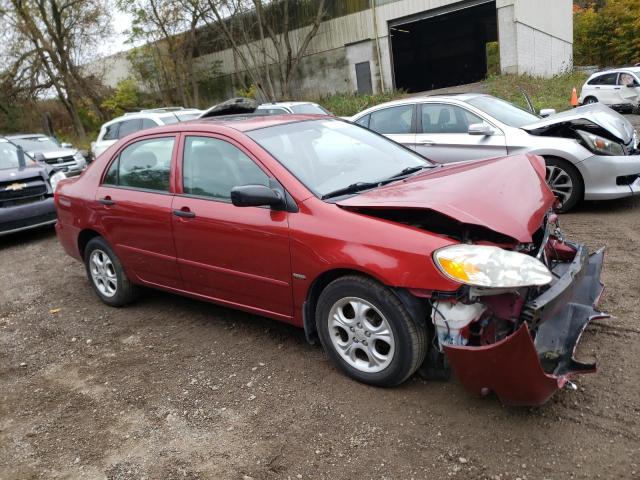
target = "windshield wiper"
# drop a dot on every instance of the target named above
(353, 188)
(409, 171)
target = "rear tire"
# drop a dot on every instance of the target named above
(368, 333)
(565, 182)
(106, 275)
(590, 100)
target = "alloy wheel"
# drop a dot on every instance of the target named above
(103, 273)
(560, 183)
(361, 335)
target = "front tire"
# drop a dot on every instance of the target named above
(565, 182)
(368, 333)
(106, 275)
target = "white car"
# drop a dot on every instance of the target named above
(284, 108)
(129, 123)
(618, 89)
(591, 152)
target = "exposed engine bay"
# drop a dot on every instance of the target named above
(520, 342)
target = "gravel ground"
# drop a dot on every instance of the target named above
(174, 388)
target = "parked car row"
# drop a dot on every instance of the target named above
(418, 236)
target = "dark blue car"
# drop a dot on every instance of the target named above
(26, 190)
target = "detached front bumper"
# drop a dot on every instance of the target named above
(531, 364)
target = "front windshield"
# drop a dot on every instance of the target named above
(36, 144)
(309, 108)
(327, 155)
(504, 112)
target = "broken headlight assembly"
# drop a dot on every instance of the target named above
(491, 267)
(600, 145)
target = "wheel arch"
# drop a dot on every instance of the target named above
(417, 307)
(84, 237)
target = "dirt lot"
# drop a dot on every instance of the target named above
(173, 388)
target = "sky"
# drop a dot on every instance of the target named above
(121, 22)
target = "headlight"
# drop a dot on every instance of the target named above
(487, 266)
(55, 179)
(599, 144)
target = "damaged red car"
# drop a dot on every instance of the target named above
(394, 264)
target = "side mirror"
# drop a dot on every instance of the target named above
(39, 157)
(547, 112)
(633, 85)
(482, 129)
(256, 196)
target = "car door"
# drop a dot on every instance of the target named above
(606, 89)
(396, 123)
(133, 205)
(444, 135)
(235, 255)
(629, 89)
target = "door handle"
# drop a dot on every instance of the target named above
(106, 201)
(184, 213)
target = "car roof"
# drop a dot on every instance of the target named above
(25, 135)
(284, 104)
(240, 122)
(448, 97)
(635, 70)
(152, 114)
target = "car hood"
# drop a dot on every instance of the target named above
(507, 195)
(62, 152)
(30, 171)
(596, 113)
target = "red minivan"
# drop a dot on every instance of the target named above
(393, 263)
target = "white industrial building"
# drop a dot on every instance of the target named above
(418, 45)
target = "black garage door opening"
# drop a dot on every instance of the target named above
(444, 49)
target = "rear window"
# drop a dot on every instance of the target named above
(129, 126)
(606, 79)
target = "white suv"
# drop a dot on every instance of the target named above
(618, 89)
(129, 123)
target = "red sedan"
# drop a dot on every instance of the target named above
(393, 263)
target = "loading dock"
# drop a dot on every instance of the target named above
(443, 47)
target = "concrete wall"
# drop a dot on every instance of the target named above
(536, 37)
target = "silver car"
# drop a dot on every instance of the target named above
(591, 151)
(62, 157)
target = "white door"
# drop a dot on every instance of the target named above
(606, 88)
(443, 135)
(629, 91)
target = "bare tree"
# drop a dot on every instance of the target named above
(263, 36)
(169, 30)
(48, 41)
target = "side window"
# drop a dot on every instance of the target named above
(145, 165)
(147, 123)
(392, 120)
(606, 79)
(212, 167)
(111, 132)
(128, 127)
(364, 121)
(440, 118)
(626, 79)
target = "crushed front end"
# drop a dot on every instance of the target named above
(519, 343)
